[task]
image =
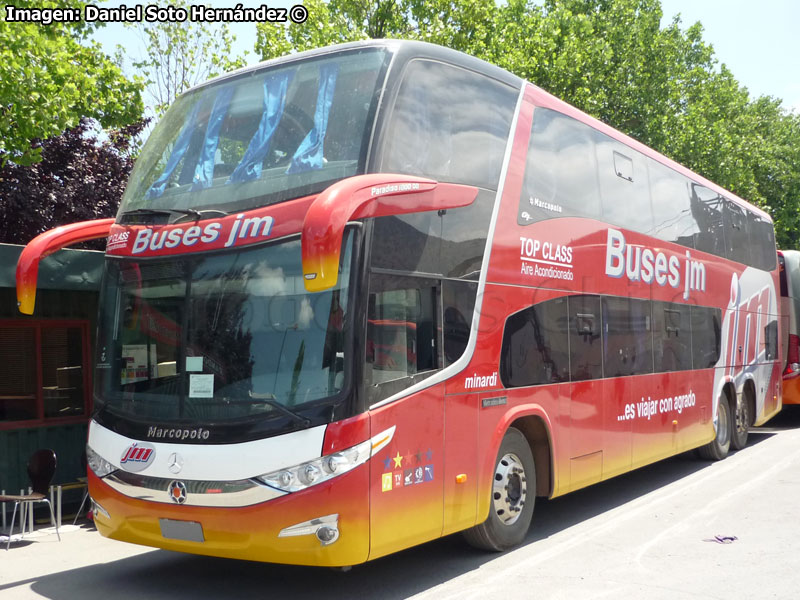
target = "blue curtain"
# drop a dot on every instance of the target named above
(178, 150)
(204, 171)
(309, 154)
(249, 167)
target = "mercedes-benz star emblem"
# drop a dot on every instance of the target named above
(175, 463)
(177, 491)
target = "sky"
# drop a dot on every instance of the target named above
(758, 41)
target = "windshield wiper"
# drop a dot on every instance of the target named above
(271, 401)
(198, 214)
(182, 212)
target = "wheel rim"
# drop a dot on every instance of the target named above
(510, 489)
(723, 424)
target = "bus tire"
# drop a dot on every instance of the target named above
(718, 448)
(740, 423)
(512, 497)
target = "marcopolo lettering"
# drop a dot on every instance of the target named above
(166, 433)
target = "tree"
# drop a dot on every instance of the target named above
(460, 24)
(50, 77)
(180, 55)
(78, 178)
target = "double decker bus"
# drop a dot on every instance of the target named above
(362, 297)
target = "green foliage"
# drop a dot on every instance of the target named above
(613, 60)
(180, 55)
(80, 177)
(50, 77)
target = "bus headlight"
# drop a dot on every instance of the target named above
(99, 465)
(319, 470)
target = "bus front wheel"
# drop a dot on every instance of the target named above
(717, 449)
(513, 494)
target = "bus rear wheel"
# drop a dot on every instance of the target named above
(513, 494)
(718, 448)
(740, 423)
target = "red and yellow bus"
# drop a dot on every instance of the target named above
(362, 297)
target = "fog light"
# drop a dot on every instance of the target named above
(327, 535)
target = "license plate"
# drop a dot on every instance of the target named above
(187, 531)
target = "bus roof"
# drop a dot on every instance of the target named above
(405, 48)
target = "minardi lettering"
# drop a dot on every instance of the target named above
(478, 381)
(162, 433)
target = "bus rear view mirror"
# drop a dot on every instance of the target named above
(360, 197)
(45, 244)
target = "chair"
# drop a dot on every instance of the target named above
(41, 468)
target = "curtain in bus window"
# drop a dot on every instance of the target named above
(249, 167)
(204, 170)
(178, 150)
(310, 153)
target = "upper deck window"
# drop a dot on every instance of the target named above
(262, 137)
(449, 124)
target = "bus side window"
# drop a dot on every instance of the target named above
(458, 301)
(706, 336)
(672, 337)
(450, 124)
(585, 348)
(771, 340)
(561, 170)
(535, 348)
(762, 242)
(627, 337)
(624, 185)
(401, 333)
(673, 218)
(707, 208)
(737, 235)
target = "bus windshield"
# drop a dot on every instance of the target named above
(261, 137)
(220, 337)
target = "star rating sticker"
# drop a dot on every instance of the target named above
(398, 460)
(387, 463)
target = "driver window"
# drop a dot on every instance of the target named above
(402, 346)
